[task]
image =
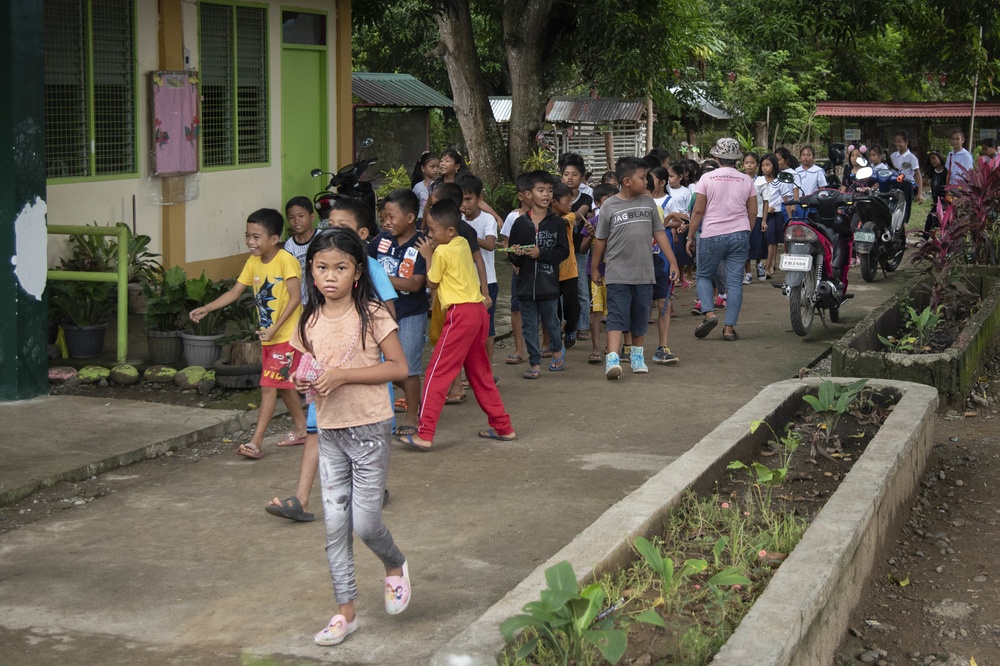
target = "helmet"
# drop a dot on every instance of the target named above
(837, 153)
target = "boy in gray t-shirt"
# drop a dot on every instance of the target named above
(626, 229)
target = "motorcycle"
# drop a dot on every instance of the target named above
(346, 183)
(880, 239)
(817, 257)
(836, 156)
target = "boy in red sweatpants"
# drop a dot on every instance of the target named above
(451, 273)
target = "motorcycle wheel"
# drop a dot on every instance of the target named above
(868, 267)
(800, 305)
(891, 263)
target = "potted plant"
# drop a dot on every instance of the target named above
(201, 339)
(83, 309)
(143, 267)
(166, 301)
(242, 369)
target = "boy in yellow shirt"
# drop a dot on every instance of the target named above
(452, 273)
(276, 277)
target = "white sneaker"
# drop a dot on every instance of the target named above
(335, 632)
(747, 279)
(397, 592)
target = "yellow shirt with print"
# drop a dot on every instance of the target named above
(270, 293)
(454, 271)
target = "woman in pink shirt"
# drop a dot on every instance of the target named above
(725, 207)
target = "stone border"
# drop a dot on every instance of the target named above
(801, 616)
(952, 372)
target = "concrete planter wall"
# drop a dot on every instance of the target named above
(802, 614)
(951, 372)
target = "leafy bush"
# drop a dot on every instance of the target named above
(393, 179)
(202, 291)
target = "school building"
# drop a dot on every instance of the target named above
(82, 140)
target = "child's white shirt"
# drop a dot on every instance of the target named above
(810, 180)
(771, 192)
(680, 199)
(961, 158)
(905, 162)
(509, 222)
(486, 225)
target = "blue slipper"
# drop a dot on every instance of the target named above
(493, 434)
(561, 365)
(407, 440)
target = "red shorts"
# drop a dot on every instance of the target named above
(278, 364)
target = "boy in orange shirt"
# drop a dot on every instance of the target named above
(452, 274)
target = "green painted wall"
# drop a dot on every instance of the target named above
(23, 317)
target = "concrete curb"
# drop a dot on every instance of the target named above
(238, 421)
(837, 556)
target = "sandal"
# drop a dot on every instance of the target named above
(560, 364)
(514, 359)
(583, 335)
(706, 326)
(493, 434)
(530, 374)
(291, 509)
(250, 450)
(291, 440)
(454, 399)
(399, 406)
(406, 430)
(407, 440)
(595, 357)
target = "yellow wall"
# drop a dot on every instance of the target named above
(214, 220)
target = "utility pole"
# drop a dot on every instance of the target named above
(975, 90)
(23, 235)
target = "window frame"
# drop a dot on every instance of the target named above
(93, 176)
(235, 81)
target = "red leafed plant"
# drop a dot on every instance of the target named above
(942, 254)
(977, 203)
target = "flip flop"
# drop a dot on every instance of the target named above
(250, 450)
(291, 509)
(706, 326)
(530, 374)
(731, 337)
(406, 430)
(454, 399)
(291, 440)
(514, 359)
(399, 406)
(407, 440)
(561, 365)
(493, 434)
(595, 358)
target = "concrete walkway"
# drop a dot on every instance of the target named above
(193, 563)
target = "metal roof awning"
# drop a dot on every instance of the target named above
(906, 109)
(378, 89)
(697, 98)
(589, 110)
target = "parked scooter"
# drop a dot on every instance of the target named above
(817, 257)
(880, 239)
(346, 183)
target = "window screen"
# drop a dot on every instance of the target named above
(89, 88)
(234, 112)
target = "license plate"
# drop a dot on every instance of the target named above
(795, 262)
(864, 236)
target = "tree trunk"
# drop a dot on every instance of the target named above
(524, 27)
(468, 86)
(760, 132)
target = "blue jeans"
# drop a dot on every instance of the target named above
(731, 250)
(548, 309)
(583, 291)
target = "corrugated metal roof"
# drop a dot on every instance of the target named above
(378, 89)
(594, 110)
(578, 110)
(697, 98)
(501, 108)
(906, 109)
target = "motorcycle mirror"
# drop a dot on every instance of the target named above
(787, 178)
(864, 172)
(861, 162)
(316, 173)
(367, 142)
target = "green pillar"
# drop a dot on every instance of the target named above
(23, 311)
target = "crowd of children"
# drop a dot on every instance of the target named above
(346, 309)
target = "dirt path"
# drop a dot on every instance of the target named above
(948, 611)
